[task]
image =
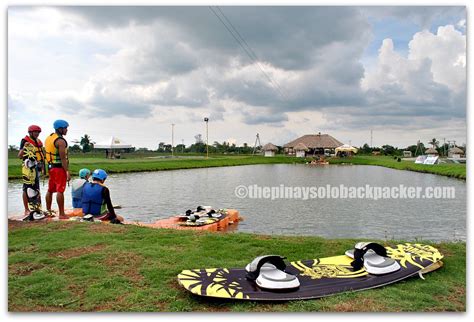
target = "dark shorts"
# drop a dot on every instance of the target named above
(57, 180)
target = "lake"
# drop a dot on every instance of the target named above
(148, 196)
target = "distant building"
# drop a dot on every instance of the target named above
(269, 149)
(431, 151)
(455, 153)
(301, 150)
(407, 154)
(315, 144)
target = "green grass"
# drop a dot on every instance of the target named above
(148, 162)
(444, 169)
(133, 163)
(69, 266)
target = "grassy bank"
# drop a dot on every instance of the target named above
(147, 162)
(444, 169)
(71, 266)
(134, 164)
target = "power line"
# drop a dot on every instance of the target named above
(248, 50)
(255, 57)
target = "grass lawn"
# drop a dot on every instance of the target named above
(68, 266)
(134, 164)
(445, 169)
(155, 162)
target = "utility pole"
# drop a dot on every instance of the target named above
(444, 146)
(206, 119)
(172, 139)
(371, 139)
(182, 145)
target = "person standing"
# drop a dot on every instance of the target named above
(56, 149)
(32, 154)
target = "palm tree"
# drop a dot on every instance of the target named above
(434, 143)
(86, 144)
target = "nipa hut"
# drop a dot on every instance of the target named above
(315, 143)
(269, 149)
(301, 150)
(455, 152)
(431, 151)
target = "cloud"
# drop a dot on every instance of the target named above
(14, 104)
(167, 63)
(71, 105)
(262, 115)
(288, 39)
(110, 101)
(423, 16)
(447, 52)
(153, 63)
(428, 83)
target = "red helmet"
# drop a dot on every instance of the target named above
(34, 128)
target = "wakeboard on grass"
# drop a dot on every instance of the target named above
(268, 278)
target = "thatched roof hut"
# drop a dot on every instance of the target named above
(301, 147)
(315, 141)
(270, 147)
(456, 150)
(431, 151)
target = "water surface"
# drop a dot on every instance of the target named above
(148, 196)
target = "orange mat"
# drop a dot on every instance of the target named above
(232, 216)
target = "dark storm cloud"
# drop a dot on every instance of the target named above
(314, 52)
(325, 40)
(263, 117)
(287, 37)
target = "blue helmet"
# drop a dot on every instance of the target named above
(83, 173)
(60, 123)
(99, 174)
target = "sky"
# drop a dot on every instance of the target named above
(131, 72)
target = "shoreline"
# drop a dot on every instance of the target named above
(131, 165)
(457, 171)
(162, 164)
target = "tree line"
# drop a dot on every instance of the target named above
(85, 144)
(415, 149)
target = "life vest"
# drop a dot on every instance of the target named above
(38, 147)
(92, 200)
(77, 186)
(52, 152)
